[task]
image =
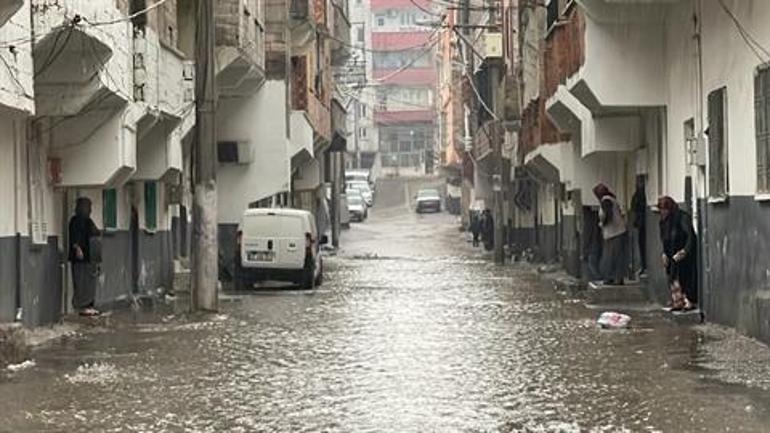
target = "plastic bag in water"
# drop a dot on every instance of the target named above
(613, 320)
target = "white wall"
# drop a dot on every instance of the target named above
(728, 61)
(13, 212)
(624, 62)
(261, 119)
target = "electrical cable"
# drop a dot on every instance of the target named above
(127, 18)
(750, 41)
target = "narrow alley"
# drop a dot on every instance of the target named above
(413, 330)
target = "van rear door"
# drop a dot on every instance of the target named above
(273, 240)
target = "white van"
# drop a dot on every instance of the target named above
(278, 245)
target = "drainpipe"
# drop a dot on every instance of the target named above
(16, 222)
(700, 128)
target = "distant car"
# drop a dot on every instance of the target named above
(278, 245)
(428, 199)
(344, 211)
(356, 206)
(366, 191)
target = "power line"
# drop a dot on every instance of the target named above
(127, 18)
(750, 41)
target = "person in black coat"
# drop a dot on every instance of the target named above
(84, 271)
(679, 254)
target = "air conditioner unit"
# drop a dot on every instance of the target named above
(38, 231)
(493, 45)
(234, 152)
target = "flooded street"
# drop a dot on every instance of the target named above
(412, 331)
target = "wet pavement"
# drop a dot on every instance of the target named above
(413, 331)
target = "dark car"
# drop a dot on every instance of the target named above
(428, 200)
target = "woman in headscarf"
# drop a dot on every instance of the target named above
(614, 261)
(678, 238)
(81, 231)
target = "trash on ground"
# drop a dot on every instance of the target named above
(21, 366)
(613, 320)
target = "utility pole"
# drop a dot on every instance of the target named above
(495, 74)
(497, 181)
(205, 246)
(356, 108)
(336, 167)
(465, 176)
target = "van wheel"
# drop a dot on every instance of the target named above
(240, 284)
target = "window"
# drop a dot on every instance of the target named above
(380, 22)
(151, 205)
(717, 135)
(405, 146)
(360, 34)
(404, 160)
(762, 126)
(110, 208)
(362, 132)
(362, 110)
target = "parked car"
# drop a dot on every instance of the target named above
(428, 199)
(360, 175)
(278, 245)
(366, 191)
(344, 211)
(356, 206)
(343, 206)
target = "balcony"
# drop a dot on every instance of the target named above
(8, 8)
(307, 101)
(339, 126)
(410, 76)
(610, 133)
(164, 94)
(341, 33)
(305, 16)
(404, 116)
(78, 59)
(240, 40)
(84, 90)
(18, 94)
(623, 43)
(484, 141)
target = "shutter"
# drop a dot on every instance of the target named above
(110, 208)
(151, 205)
(717, 145)
(762, 126)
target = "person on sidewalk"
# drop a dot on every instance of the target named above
(639, 212)
(614, 234)
(678, 238)
(475, 227)
(488, 230)
(82, 231)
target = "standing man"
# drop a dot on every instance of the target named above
(82, 230)
(638, 209)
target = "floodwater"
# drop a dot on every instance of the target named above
(412, 331)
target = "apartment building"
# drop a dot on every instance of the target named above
(673, 93)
